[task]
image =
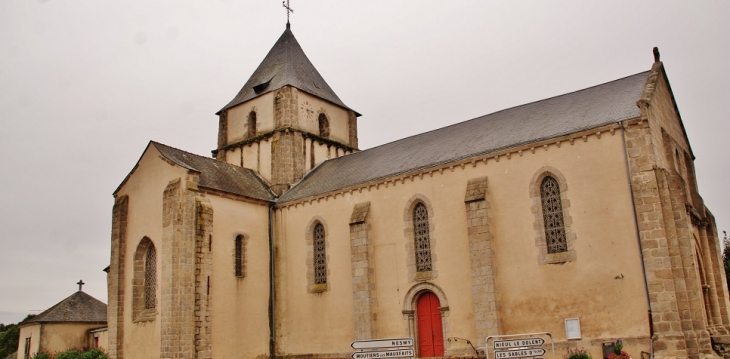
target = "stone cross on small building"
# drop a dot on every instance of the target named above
(80, 283)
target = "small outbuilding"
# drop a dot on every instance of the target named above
(64, 326)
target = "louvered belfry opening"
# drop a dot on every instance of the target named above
(324, 125)
(552, 211)
(422, 238)
(150, 278)
(320, 257)
(251, 124)
(239, 256)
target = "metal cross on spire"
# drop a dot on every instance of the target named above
(289, 10)
(80, 283)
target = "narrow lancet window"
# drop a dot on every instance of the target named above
(324, 125)
(239, 256)
(320, 257)
(422, 238)
(252, 124)
(552, 211)
(150, 278)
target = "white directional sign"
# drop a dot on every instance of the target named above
(519, 353)
(518, 343)
(383, 343)
(398, 353)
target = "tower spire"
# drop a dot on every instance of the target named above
(289, 10)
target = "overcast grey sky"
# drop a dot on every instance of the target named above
(85, 84)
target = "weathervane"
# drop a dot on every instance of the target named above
(289, 10)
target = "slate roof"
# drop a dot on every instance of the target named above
(77, 308)
(573, 112)
(219, 175)
(286, 64)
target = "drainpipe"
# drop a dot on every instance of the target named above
(638, 240)
(272, 285)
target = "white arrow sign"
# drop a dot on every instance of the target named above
(519, 353)
(382, 343)
(518, 343)
(399, 353)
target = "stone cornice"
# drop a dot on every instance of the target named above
(266, 136)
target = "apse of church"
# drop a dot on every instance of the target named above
(291, 242)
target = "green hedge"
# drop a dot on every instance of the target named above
(74, 354)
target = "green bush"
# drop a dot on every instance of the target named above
(69, 354)
(95, 353)
(41, 355)
(9, 340)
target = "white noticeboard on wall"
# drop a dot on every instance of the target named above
(572, 328)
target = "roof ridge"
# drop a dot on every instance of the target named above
(173, 154)
(204, 158)
(494, 113)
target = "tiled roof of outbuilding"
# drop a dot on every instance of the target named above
(219, 175)
(77, 308)
(286, 64)
(573, 112)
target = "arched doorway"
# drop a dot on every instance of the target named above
(430, 328)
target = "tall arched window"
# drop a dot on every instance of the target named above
(552, 211)
(422, 238)
(239, 256)
(150, 278)
(320, 257)
(324, 125)
(252, 124)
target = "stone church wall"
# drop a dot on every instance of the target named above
(311, 107)
(237, 129)
(240, 303)
(688, 313)
(602, 283)
(144, 192)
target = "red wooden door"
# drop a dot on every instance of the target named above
(430, 332)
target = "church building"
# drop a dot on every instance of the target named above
(578, 216)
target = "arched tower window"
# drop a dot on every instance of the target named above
(320, 257)
(150, 277)
(422, 238)
(239, 256)
(552, 211)
(324, 125)
(252, 124)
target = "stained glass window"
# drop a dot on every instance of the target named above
(422, 238)
(552, 211)
(320, 258)
(150, 278)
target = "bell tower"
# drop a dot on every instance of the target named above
(286, 119)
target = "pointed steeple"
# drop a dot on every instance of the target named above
(286, 64)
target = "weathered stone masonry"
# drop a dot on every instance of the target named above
(363, 273)
(287, 159)
(115, 284)
(664, 210)
(203, 272)
(481, 256)
(184, 302)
